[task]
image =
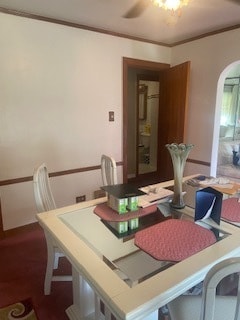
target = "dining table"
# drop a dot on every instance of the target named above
(114, 274)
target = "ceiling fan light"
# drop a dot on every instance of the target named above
(170, 4)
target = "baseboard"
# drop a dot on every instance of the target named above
(21, 229)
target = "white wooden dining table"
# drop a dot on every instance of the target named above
(131, 284)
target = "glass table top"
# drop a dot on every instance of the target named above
(120, 253)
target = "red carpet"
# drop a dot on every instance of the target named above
(22, 271)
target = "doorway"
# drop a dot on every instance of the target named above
(226, 137)
(171, 117)
(147, 124)
(136, 73)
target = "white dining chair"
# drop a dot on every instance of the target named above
(209, 305)
(108, 170)
(45, 202)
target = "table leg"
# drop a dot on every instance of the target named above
(85, 302)
(152, 316)
(83, 307)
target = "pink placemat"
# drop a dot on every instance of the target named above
(231, 209)
(174, 240)
(108, 214)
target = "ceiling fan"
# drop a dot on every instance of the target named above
(141, 5)
(137, 9)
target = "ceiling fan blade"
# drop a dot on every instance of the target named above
(137, 9)
(235, 1)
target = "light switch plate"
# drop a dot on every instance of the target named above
(111, 116)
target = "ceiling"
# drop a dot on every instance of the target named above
(154, 25)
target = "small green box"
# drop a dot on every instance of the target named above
(133, 203)
(119, 205)
(120, 226)
(133, 223)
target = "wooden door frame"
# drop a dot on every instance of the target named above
(1, 223)
(136, 64)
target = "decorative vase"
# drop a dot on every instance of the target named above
(179, 154)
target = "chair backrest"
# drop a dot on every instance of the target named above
(42, 190)
(109, 170)
(210, 306)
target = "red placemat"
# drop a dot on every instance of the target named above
(108, 214)
(231, 209)
(174, 240)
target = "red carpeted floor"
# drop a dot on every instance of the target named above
(22, 270)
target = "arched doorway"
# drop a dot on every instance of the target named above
(229, 71)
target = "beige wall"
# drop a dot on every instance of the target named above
(211, 58)
(57, 86)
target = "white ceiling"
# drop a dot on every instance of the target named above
(199, 17)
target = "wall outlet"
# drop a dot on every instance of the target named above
(81, 198)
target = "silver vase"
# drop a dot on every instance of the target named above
(179, 154)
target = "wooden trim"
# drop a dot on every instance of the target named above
(71, 171)
(35, 225)
(141, 65)
(112, 33)
(79, 26)
(15, 180)
(207, 34)
(202, 163)
(54, 174)
(1, 223)
(144, 64)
